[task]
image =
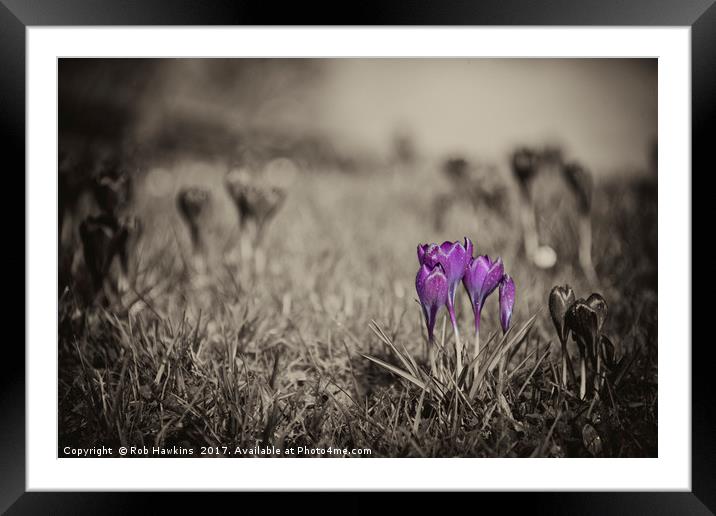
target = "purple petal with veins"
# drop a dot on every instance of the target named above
(507, 301)
(481, 278)
(432, 287)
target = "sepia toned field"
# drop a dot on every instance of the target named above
(263, 344)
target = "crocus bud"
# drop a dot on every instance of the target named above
(560, 299)
(432, 287)
(98, 235)
(457, 169)
(268, 203)
(583, 321)
(525, 163)
(192, 203)
(105, 238)
(454, 257)
(130, 230)
(112, 192)
(608, 353)
(238, 182)
(424, 249)
(580, 182)
(254, 201)
(507, 301)
(599, 305)
(482, 277)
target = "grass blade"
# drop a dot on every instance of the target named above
(404, 374)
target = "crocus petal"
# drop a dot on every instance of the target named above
(427, 254)
(453, 257)
(432, 288)
(599, 305)
(507, 301)
(572, 322)
(482, 277)
(431, 315)
(422, 249)
(447, 246)
(472, 280)
(583, 321)
(560, 299)
(469, 249)
(493, 277)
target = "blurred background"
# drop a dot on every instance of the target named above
(603, 110)
(405, 150)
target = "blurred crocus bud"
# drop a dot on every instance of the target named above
(456, 169)
(560, 299)
(552, 155)
(192, 203)
(130, 230)
(432, 287)
(254, 201)
(269, 202)
(112, 192)
(482, 277)
(263, 204)
(104, 238)
(581, 183)
(507, 301)
(525, 163)
(238, 183)
(453, 256)
(98, 235)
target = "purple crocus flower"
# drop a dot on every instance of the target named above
(424, 249)
(482, 277)
(507, 301)
(453, 257)
(432, 286)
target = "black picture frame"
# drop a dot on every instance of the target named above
(17, 15)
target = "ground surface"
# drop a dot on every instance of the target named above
(266, 350)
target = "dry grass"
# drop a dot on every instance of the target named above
(267, 349)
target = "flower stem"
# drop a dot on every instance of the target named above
(501, 374)
(476, 353)
(585, 248)
(564, 364)
(458, 344)
(431, 357)
(597, 374)
(442, 348)
(582, 377)
(458, 351)
(529, 229)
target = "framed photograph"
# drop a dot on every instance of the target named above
(419, 242)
